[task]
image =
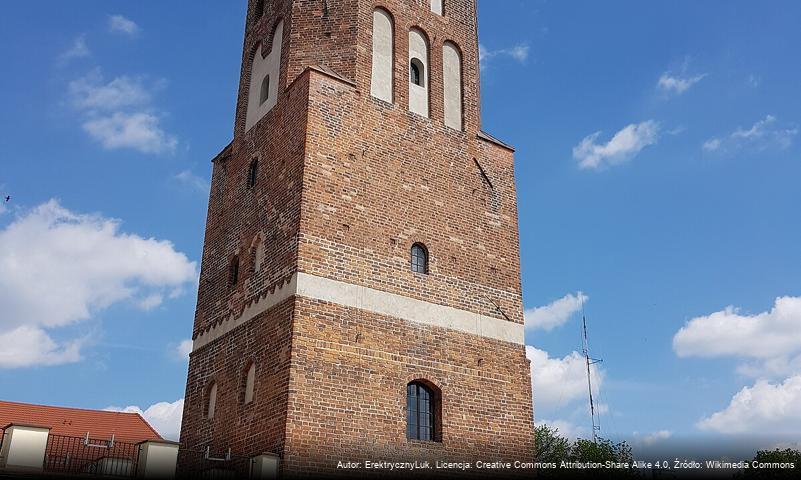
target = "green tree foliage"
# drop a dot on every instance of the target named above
(775, 457)
(551, 447)
(601, 451)
(554, 448)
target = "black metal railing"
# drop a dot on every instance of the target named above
(2, 440)
(89, 456)
(209, 465)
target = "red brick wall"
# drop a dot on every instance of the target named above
(346, 185)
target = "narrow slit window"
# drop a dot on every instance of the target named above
(212, 401)
(253, 173)
(265, 90)
(233, 272)
(250, 380)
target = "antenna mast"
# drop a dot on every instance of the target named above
(590, 361)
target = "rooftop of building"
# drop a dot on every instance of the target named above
(77, 422)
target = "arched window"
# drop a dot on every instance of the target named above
(383, 55)
(265, 90)
(233, 271)
(418, 72)
(253, 173)
(211, 403)
(422, 412)
(250, 380)
(419, 258)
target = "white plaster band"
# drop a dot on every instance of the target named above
(384, 303)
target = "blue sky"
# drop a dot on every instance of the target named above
(657, 168)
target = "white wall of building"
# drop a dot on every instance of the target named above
(260, 69)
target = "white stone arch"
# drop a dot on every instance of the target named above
(418, 58)
(452, 85)
(264, 73)
(381, 80)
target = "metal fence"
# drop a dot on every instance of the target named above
(209, 465)
(88, 456)
(2, 440)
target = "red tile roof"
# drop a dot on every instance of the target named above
(76, 422)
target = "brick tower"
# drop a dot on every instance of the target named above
(360, 291)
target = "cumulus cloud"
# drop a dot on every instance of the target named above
(78, 49)
(669, 83)
(764, 408)
(118, 113)
(139, 131)
(193, 181)
(518, 53)
(184, 349)
(555, 314)
(92, 92)
(765, 335)
(58, 268)
(26, 346)
(566, 428)
(657, 437)
(120, 24)
(623, 146)
(557, 382)
(770, 341)
(165, 417)
(763, 135)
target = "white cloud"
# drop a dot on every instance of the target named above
(58, 268)
(712, 144)
(78, 49)
(184, 349)
(193, 181)
(626, 144)
(140, 131)
(764, 408)
(118, 113)
(165, 417)
(764, 335)
(656, 437)
(27, 346)
(566, 428)
(150, 301)
(771, 340)
(763, 135)
(556, 313)
(91, 92)
(669, 83)
(120, 24)
(519, 53)
(557, 383)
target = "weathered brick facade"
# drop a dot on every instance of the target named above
(346, 185)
